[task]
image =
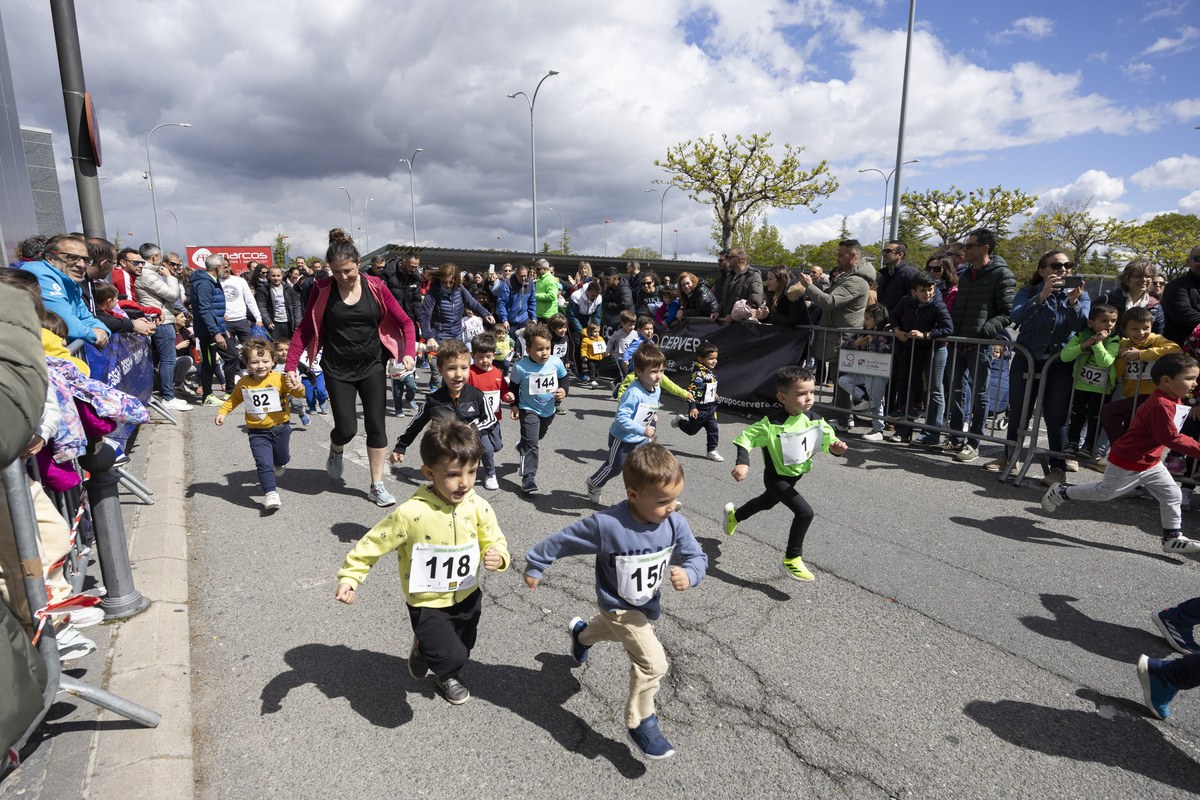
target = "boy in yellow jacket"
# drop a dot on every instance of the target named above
(441, 532)
(1136, 354)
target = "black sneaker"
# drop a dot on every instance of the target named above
(649, 739)
(416, 664)
(1070, 450)
(579, 651)
(529, 486)
(453, 690)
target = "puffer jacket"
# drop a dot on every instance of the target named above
(984, 301)
(700, 303)
(842, 303)
(208, 304)
(746, 285)
(442, 311)
(405, 287)
(516, 304)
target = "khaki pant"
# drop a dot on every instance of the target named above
(54, 533)
(648, 660)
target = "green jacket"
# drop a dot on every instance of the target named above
(802, 433)
(546, 290)
(1101, 357)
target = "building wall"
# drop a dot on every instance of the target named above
(17, 218)
(43, 181)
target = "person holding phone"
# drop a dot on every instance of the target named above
(1047, 313)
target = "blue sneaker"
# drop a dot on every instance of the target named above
(579, 651)
(1157, 692)
(305, 419)
(1177, 635)
(649, 739)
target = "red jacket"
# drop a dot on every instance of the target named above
(488, 382)
(395, 328)
(1152, 431)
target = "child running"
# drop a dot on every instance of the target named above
(702, 408)
(440, 532)
(1135, 459)
(592, 352)
(489, 380)
(299, 406)
(636, 417)
(788, 437)
(617, 342)
(454, 398)
(560, 345)
(1095, 349)
(633, 543)
(538, 380)
(263, 391)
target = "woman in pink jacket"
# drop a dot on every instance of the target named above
(356, 323)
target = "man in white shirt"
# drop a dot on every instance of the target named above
(279, 306)
(240, 308)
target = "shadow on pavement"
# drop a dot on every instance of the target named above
(348, 532)
(536, 695)
(584, 456)
(1025, 530)
(241, 488)
(562, 503)
(1131, 743)
(712, 549)
(1119, 642)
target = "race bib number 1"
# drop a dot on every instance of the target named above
(443, 567)
(640, 577)
(543, 383)
(1181, 415)
(261, 401)
(710, 392)
(799, 447)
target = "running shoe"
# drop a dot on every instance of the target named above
(529, 485)
(1054, 476)
(966, 454)
(838, 425)
(579, 651)
(731, 522)
(1175, 465)
(453, 690)
(280, 469)
(416, 662)
(1157, 693)
(1178, 636)
(213, 400)
(863, 405)
(649, 739)
(677, 420)
(1179, 545)
(72, 644)
(593, 492)
(873, 436)
(176, 404)
(305, 420)
(794, 568)
(381, 496)
(334, 464)
(490, 482)
(321, 409)
(272, 502)
(1052, 499)
(997, 464)
(713, 455)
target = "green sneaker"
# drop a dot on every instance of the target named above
(213, 400)
(794, 568)
(730, 519)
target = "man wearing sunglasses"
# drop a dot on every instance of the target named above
(60, 273)
(1181, 301)
(895, 277)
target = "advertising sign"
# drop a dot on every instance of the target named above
(238, 257)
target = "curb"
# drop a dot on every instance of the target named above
(149, 660)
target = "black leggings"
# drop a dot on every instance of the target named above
(370, 391)
(782, 489)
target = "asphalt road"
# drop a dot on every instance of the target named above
(956, 642)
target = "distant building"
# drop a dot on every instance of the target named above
(43, 181)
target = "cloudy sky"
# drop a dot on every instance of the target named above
(290, 99)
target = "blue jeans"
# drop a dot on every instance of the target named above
(935, 402)
(971, 371)
(1056, 404)
(404, 391)
(876, 392)
(315, 395)
(163, 342)
(271, 449)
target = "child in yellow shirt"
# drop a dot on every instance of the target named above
(592, 350)
(264, 392)
(1136, 354)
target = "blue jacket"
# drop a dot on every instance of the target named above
(442, 311)
(208, 304)
(516, 304)
(614, 532)
(63, 296)
(625, 425)
(1045, 327)
(931, 318)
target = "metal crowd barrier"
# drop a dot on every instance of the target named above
(25, 532)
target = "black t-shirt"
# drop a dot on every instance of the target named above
(352, 349)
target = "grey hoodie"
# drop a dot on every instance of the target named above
(842, 303)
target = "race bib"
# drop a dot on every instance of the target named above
(710, 393)
(542, 383)
(644, 416)
(599, 348)
(640, 577)
(1093, 376)
(559, 350)
(799, 447)
(1137, 370)
(1181, 415)
(264, 400)
(443, 567)
(492, 399)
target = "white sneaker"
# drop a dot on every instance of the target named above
(1051, 500)
(593, 492)
(176, 404)
(1179, 545)
(873, 436)
(73, 644)
(490, 482)
(713, 455)
(862, 405)
(272, 502)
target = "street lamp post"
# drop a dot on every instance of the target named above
(533, 149)
(662, 198)
(606, 238)
(150, 174)
(677, 244)
(886, 180)
(178, 238)
(412, 198)
(351, 203)
(562, 243)
(366, 227)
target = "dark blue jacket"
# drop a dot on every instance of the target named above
(442, 311)
(931, 318)
(208, 304)
(1045, 327)
(894, 284)
(515, 304)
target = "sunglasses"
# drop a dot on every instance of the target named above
(72, 258)
(890, 250)
(174, 263)
(1194, 258)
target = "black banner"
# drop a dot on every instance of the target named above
(748, 356)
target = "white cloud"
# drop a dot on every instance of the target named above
(1098, 58)
(1094, 185)
(1190, 204)
(1164, 9)
(1186, 40)
(1179, 172)
(1140, 72)
(1035, 28)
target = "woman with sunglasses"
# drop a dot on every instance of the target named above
(1046, 316)
(946, 277)
(1135, 289)
(647, 297)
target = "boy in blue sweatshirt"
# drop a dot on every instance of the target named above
(633, 543)
(637, 416)
(536, 382)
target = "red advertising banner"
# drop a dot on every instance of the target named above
(238, 257)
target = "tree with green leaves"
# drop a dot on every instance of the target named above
(640, 253)
(739, 175)
(280, 248)
(1070, 226)
(1166, 240)
(952, 214)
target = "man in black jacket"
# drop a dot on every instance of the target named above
(403, 279)
(895, 277)
(1181, 301)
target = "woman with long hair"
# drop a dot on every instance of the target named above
(695, 298)
(442, 312)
